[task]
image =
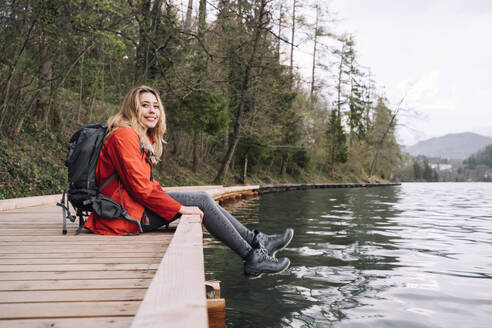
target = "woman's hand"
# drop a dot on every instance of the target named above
(191, 210)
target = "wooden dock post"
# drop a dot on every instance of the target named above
(215, 306)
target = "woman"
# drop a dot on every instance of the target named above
(133, 145)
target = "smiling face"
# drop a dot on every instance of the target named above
(149, 110)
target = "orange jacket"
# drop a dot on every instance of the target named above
(121, 153)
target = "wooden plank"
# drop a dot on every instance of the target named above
(46, 232)
(27, 216)
(86, 243)
(163, 241)
(67, 309)
(79, 248)
(80, 255)
(54, 212)
(25, 240)
(72, 295)
(33, 232)
(74, 284)
(176, 295)
(26, 220)
(24, 224)
(30, 225)
(90, 238)
(70, 275)
(106, 322)
(35, 209)
(95, 260)
(75, 267)
(96, 246)
(9, 204)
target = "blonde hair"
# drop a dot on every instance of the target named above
(129, 115)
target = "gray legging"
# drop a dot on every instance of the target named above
(220, 223)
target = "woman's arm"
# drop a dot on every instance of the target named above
(123, 148)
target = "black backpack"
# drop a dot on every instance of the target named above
(82, 191)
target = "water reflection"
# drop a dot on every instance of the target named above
(372, 257)
(339, 248)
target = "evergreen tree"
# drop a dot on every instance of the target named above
(427, 175)
(337, 141)
(417, 171)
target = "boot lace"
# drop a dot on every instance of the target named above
(263, 254)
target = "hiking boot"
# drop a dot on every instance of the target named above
(273, 243)
(258, 262)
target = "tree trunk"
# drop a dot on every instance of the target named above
(174, 140)
(335, 116)
(141, 65)
(226, 137)
(81, 88)
(245, 168)
(339, 84)
(12, 69)
(380, 143)
(187, 22)
(45, 76)
(196, 151)
(292, 40)
(280, 16)
(20, 123)
(235, 137)
(283, 165)
(311, 96)
(222, 172)
(6, 96)
(202, 19)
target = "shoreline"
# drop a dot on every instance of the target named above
(214, 190)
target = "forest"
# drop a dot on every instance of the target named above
(238, 108)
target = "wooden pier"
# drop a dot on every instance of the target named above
(48, 279)
(155, 279)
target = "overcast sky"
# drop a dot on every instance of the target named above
(439, 53)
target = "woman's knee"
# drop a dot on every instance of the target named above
(204, 196)
(205, 200)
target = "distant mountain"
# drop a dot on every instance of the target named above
(484, 131)
(453, 146)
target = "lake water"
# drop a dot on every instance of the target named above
(415, 255)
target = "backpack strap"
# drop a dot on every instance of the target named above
(81, 222)
(129, 218)
(114, 175)
(149, 161)
(125, 213)
(148, 154)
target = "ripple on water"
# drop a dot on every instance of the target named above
(417, 255)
